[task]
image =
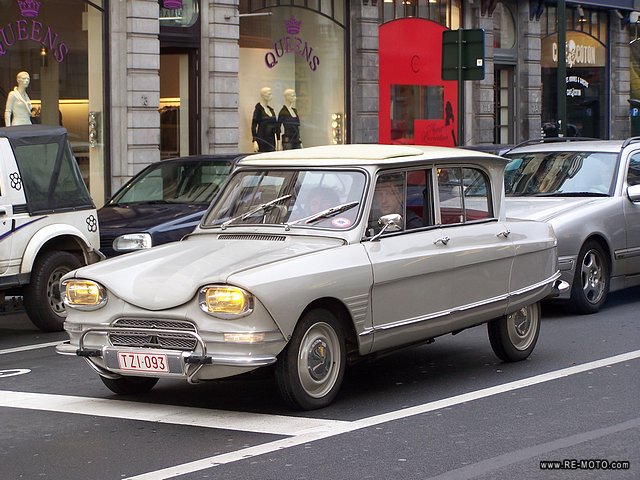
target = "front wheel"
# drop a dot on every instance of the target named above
(129, 385)
(42, 299)
(591, 282)
(514, 336)
(310, 370)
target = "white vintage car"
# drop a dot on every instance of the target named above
(312, 258)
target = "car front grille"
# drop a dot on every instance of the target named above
(130, 336)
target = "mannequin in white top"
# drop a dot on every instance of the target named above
(264, 124)
(18, 108)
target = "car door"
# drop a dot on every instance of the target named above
(10, 186)
(479, 246)
(412, 269)
(632, 219)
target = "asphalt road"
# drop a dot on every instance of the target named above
(446, 411)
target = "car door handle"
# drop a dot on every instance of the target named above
(443, 241)
(504, 233)
(3, 211)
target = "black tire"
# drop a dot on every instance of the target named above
(310, 370)
(42, 299)
(590, 285)
(514, 336)
(129, 385)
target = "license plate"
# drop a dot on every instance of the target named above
(143, 362)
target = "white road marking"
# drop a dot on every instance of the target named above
(346, 427)
(30, 347)
(177, 415)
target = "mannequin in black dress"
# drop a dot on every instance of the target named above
(264, 125)
(290, 120)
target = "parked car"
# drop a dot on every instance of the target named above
(590, 192)
(48, 222)
(162, 203)
(312, 258)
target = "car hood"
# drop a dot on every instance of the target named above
(144, 217)
(170, 275)
(544, 208)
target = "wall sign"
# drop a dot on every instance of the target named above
(581, 50)
(292, 44)
(29, 29)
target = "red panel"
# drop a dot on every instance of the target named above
(410, 52)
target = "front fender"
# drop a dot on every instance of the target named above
(57, 232)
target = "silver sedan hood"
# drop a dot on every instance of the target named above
(544, 208)
(150, 279)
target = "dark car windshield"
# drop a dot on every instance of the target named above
(176, 182)
(290, 197)
(560, 174)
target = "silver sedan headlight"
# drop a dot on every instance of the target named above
(132, 241)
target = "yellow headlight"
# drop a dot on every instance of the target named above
(83, 294)
(224, 300)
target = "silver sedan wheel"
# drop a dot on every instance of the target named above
(592, 274)
(522, 327)
(319, 360)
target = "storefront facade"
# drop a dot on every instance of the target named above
(140, 80)
(59, 44)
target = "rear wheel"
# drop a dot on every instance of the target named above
(514, 336)
(310, 370)
(129, 385)
(42, 299)
(591, 281)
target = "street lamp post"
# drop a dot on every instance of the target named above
(562, 69)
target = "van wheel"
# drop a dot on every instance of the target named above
(310, 369)
(129, 385)
(514, 336)
(42, 299)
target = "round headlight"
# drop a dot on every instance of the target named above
(225, 301)
(132, 241)
(83, 294)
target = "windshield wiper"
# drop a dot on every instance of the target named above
(265, 206)
(329, 212)
(573, 194)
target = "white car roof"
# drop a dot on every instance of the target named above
(362, 154)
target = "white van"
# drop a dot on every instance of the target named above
(48, 221)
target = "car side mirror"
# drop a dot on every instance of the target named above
(633, 192)
(389, 223)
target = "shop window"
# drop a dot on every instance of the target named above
(414, 102)
(504, 27)
(444, 12)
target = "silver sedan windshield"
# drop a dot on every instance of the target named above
(286, 197)
(560, 174)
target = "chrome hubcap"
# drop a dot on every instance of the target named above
(53, 292)
(522, 326)
(318, 360)
(592, 280)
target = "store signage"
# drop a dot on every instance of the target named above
(292, 44)
(576, 91)
(28, 29)
(581, 50)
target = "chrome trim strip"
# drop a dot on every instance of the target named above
(469, 306)
(627, 253)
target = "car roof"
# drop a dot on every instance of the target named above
(612, 146)
(31, 131)
(202, 158)
(362, 154)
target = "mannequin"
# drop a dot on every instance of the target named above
(289, 119)
(18, 108)
(264, 124)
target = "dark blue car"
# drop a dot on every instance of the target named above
(162, 203)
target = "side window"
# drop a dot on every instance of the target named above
(633, 176)
(403, 194)
(464, 195)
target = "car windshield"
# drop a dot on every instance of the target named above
(560, 174)
(176, 182)
(327, 199)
